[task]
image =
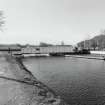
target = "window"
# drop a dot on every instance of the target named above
(37, 49)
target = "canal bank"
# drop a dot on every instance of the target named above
(19, 87)
(92, 56)
(85, 56)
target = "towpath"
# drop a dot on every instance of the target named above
(19, 87)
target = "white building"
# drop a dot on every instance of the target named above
(46, 50)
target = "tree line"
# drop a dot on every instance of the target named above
(96, 43)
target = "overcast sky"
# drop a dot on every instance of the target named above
(52, 21)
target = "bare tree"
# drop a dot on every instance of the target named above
(44, 44)
(1, 20)
(94, 44)
(102, 31)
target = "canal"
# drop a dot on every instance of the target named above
(78, 81)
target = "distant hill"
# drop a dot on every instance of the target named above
(96, 43)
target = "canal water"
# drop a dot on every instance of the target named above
(78, 81)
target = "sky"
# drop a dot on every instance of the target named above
(51, 21)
